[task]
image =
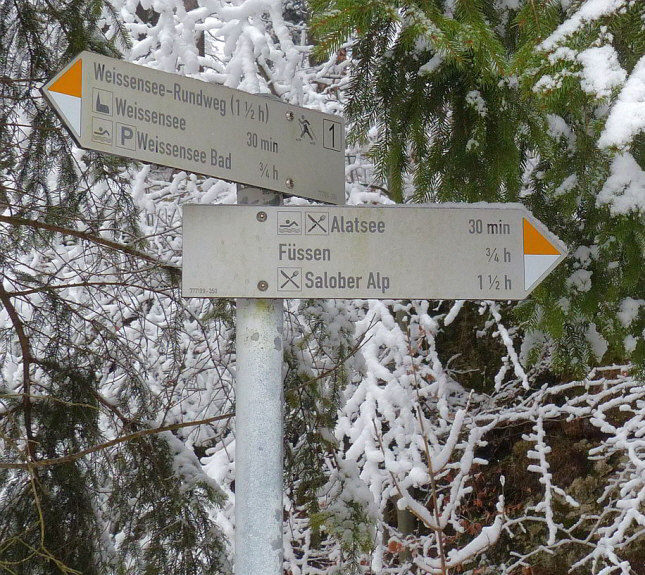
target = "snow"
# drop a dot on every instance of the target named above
(566, 186)
(431, 65)
(601, 71)
(507, 340)
(624, 189)
(630, 343)
(509, 4)
(475, 100)
(454, 312)
(487, 537)
(562, 53)
(548, 83)
(627, 116)
(580, 280)
(629, 310)
(558, 128)
(599, 345)
(589, 11)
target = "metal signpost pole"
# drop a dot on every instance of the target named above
(120, 108)
(258, 428)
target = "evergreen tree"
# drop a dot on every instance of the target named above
(536, 102)
(515, 101)
(92, 480)
(112, 384)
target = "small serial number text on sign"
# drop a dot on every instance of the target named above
(202, 291)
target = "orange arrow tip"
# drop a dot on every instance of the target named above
(536, 244)
(71, 82)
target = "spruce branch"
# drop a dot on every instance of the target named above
(89, 237)
(23, 340)
(130, 437)
(97, 284)
(325, 373)
(7, 80)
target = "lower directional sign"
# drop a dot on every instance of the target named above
(486, 251)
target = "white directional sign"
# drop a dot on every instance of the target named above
(120, 108)
(470, 251)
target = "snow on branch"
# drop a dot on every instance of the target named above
(627, 116)
(589, 11)
(507, 340)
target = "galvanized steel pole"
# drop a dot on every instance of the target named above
(258, 428)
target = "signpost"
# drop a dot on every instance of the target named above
(261, 254)
(120, 108)
(466, 251)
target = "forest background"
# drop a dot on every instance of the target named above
(421, 436)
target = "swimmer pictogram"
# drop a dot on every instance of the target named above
(102, 131)
(289, 223)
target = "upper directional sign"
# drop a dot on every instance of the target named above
(144, 114)
(470, 251)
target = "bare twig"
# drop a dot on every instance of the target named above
(379, 438)
(426, 447)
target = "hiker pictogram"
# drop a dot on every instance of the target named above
(306, 131)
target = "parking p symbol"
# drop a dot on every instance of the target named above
(125, 136)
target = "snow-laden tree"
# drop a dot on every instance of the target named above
(102, 364)
(111, 383)
(533, 101)
(420, 436)
(538, 102)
